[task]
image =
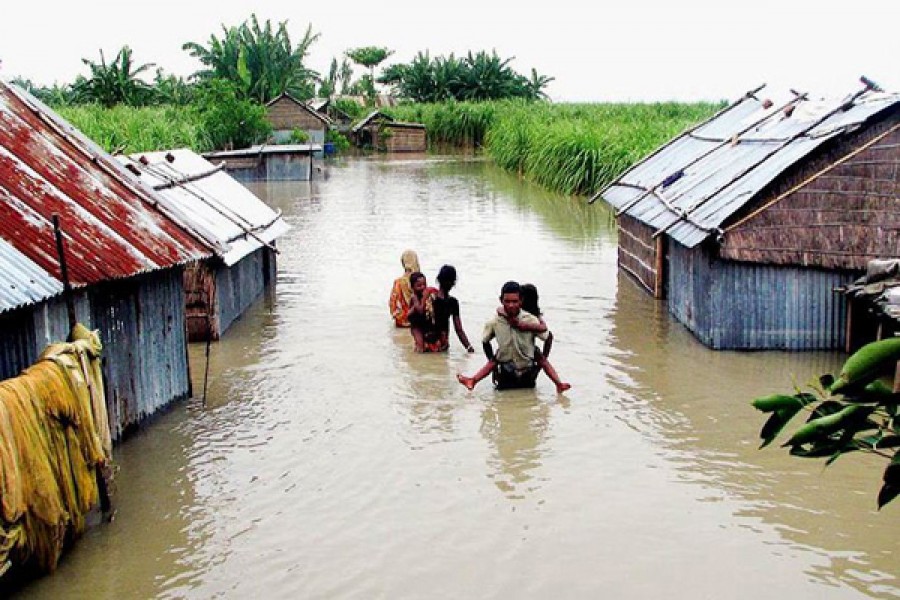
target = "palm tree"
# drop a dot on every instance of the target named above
(369, 57)
(536, 85)
(114, 83)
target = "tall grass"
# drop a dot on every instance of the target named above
(131, 129)
(570, 148)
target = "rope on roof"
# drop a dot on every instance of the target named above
(813, 177)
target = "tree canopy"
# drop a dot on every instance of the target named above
(475, 77)
(114, 83)
(262, 61)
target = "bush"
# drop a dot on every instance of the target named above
(228, 121)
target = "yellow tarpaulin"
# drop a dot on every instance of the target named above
(54, 436)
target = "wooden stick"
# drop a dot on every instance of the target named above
(64, 273)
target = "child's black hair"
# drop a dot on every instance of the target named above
(529, 295)
(447, 277)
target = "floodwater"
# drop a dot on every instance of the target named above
(330, 461)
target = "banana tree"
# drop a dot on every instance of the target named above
(114, 83)
(855, 412)
(260, 59)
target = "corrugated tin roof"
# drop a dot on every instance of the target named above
(113, 227)
(266, 149)
(23, 281)
(368, 119)
(211, 199)
(693, 184)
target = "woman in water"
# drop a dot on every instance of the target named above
(401, 292)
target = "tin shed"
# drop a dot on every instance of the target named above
(124, 250)
(747, 223)
(218, 290)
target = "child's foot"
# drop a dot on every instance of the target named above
(466, 381)
(562, 387)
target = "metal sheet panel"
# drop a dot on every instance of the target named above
(211, 199)
(23, 282)
(113, 229)
(744, 306)
(731, 158)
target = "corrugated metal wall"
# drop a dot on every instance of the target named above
(239, 286)
(25, 332)
(141, 323)
(746, 306)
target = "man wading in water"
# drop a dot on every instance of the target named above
(514, 363)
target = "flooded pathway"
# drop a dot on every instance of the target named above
(330, 461)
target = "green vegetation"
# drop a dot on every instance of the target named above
(855, 412)
(569, 148)
(480, 76)
(114, 83)
(262, 62)
(369, 57)
(340, 141)
(129, 129)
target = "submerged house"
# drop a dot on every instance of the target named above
(281, 162)
(340, 120)
(380, 131)
(287, 114)
(125, 249)
(220, 289)
(747, 223)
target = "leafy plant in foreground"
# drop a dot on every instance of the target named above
(857, 411)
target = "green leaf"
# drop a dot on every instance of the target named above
(826, 380)
(887, 493)
(851, 416)
(775, 424)
(892, 472)
(776, 402)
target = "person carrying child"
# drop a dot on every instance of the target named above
(517, 361)
(401, 291)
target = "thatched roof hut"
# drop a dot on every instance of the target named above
(381, 131)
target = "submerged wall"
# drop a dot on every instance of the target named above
(240, 285)
(732, 305)
(141, 324)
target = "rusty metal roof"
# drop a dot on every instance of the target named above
(212, 199)
(113, 227)
(689, 187)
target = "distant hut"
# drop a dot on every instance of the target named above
(381, 131)
(340, 120)
(124, 255)
(287, 114)
(218, 290)
(747, 223)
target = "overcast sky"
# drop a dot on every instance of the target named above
(631, 50)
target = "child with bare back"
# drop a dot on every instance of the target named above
(519, 312)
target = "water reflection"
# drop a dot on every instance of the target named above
(694, 402)
(515, 425)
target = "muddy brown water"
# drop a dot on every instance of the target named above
(330, 461)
